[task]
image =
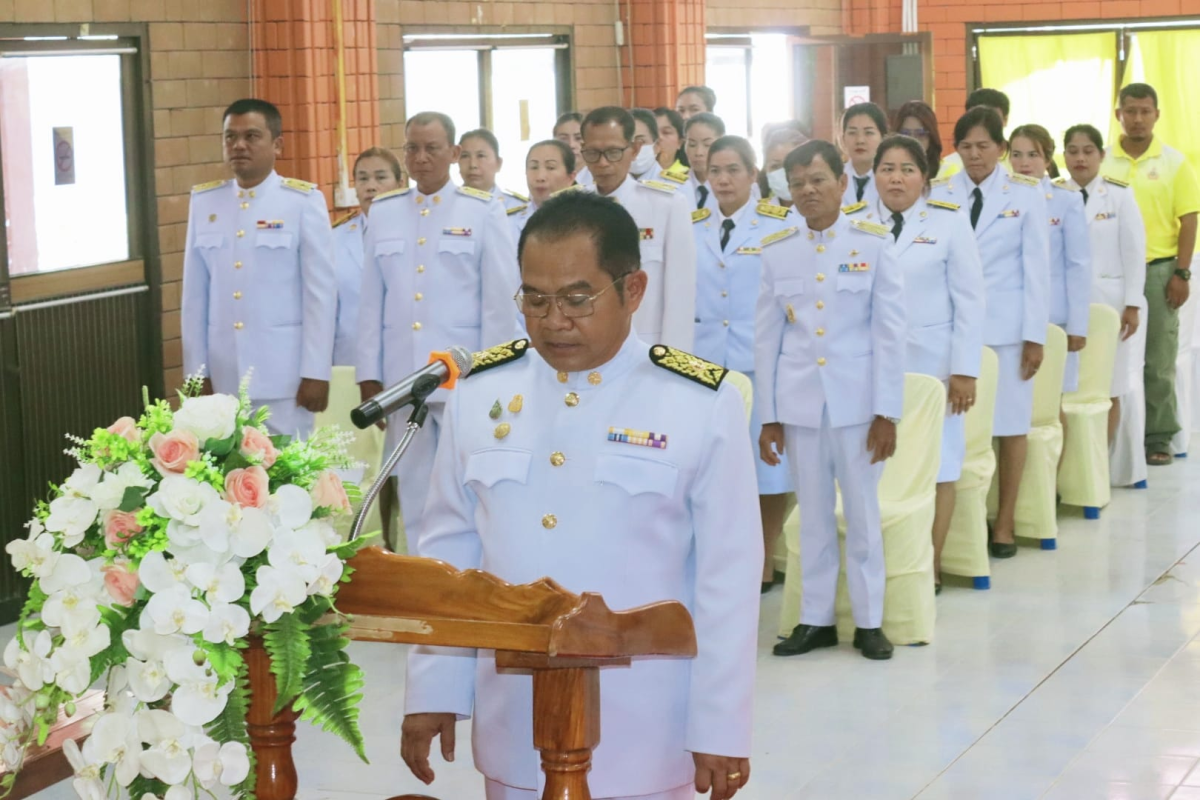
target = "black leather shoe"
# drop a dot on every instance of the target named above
(873, 644)
(1000, 550)
(807, 637)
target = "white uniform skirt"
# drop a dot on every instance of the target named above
(1014, 397)
(771, 480)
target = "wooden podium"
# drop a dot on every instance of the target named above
(563, 638)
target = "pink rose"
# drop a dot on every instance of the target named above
(126, 428)
(256, 444)
(173, 451)
(328, 492)
(247, 487)
(121, 582)
(120, 527)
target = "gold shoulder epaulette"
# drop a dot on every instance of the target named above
(943, 204)
(779, 236)
(701, 214)
(676, 172)
(940, 181)
(854, 208)
(478, 194)
(516, 209)
(516, 195)
(296, 185)
(1024, 180)
(205, 187)
(500, 354)
(769, 209)
(1061, 183)
(403, 190)
(1115, 182)
(574, 187)
(870, 227)
(658, 186)
(346, 218)
(689, 366)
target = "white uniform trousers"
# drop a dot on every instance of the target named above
(500, 791)
(415, 468)
(287, 418)
(817, 456)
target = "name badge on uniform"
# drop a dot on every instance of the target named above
(642, 438)
(857, 267)
(924, 240)
(645, 233)
(1055, 221)
(1103, 215)
(1010, 213)
(270, 224)
(456, 231)
(749, 251)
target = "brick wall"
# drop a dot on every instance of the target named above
(822, 17)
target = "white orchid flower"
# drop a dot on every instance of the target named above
(196, 699)
(33, 665)
(174, 610)
(109, 494)
(82, 481)
(300, 551)
(69, 570)
(118, 698)
(327, 532)
(227, 763)
(13, 752)
(148, 679)
(71, 516)
(226, 623)
(223, 584)
(226, 525)
(278, 592)
(329, 572)
(16, 712)
(114, 740)
(209, 417)
(72, 671)
(158, 574)
(167, 758)
(148, 645)
(173, 793)
(73, 609)
(87, 774)
(291, 506)
(84, 642)
(181, 499)
(183, 536)
(37, 554)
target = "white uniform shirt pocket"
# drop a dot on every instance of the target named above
(652, 251)
(210, 246)
(637, 475)
(458, 247)
(853, 281)
(274, 240)
(793, 287)
(495, 464)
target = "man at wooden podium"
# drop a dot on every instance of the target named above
(611, 465)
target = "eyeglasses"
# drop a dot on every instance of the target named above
(916, 133)
(612, 155)
(572, 306)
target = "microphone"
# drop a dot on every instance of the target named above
(443, 370)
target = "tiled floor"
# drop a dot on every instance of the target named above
(1077, 677)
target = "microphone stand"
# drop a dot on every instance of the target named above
(421, 391)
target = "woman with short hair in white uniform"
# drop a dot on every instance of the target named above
(549, 168)
(944, 292)
(1008, 214)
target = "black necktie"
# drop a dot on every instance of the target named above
(703, 190)
(898, 218)
(1084, 196)
(860, 186)
(726, 229)
(976, 206)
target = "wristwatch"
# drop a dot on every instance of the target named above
(1185, 274)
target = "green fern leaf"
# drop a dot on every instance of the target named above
(286, 640)
(332, 687)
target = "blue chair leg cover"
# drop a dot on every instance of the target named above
(1091, 512)
(982, 582)
(1181, 455)
(1049, 544)
(1140, 485)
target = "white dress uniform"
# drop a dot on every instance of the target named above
(1118, 240)
(664, 221)
(583, 175)
(1014, 245)
(259, 292)
(629, 481)
(727, 283)
(517, 217)
(870, 190)
(944, 293)
(347, 261)
(829, 358)
(697, 199)
(1070, 268)
(510, 199)
(439, 270)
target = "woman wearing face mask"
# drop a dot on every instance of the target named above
(1118, 241)
(943, 284)
(549, 168)
(772, 182)
(728, 257)
(478, 165)
(1008, 215)
(698, 136)
(916, 119)
(568, 131)
(670, 141)
(645, 131)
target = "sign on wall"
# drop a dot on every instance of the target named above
(64, 156)
(853, 95)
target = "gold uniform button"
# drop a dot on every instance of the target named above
(820, 331)
(562, 377)
(571, 399)
(420, 199)
(594, 378)
(241, 194)
(820, 248)
(237, 326)
(557, 459)
(820, 277)
(237, 295)
(424, 212)
(721, 264)
(725, 323)
(245, 206)
(820, 304)
(724, 293)
(421, 240)
(251, 193)
(820, 362)
(241, 234)
(437, 198)
(416, 326)
(549, 522)
(420, 268)
(237, 265)
(418, 297)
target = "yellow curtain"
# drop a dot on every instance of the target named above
(1055, 81)
(1168, 61)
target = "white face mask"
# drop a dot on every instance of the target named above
(777, 180)
(643, 162)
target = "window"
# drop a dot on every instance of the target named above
(750, 75)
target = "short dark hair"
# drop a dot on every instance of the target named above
(486, 135)
(738, 145)
(429, 118)
(705, 93)
(564, 151)
(386, 155)
(803, 156)
(610, 227)
(252, 105)
(1138, 91)
(992, 98)
(1087, 130)
(705, 118)
(980, 117)
(906, 143)
(922, 111)
(646, 116)
(606, 114)
(570, 116)
(866, 110)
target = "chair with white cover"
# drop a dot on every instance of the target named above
(1037, 504)
(965, 551)
(1083, 477)
(746, 389)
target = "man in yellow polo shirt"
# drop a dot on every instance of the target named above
(1169, 198)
